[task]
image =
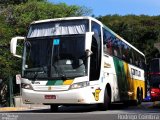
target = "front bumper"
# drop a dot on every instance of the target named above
(74, 96)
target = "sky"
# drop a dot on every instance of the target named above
(121, 7)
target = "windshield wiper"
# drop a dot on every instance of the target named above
(37, 71)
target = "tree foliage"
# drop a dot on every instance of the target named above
(15, 2)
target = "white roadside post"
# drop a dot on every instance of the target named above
(18, 82)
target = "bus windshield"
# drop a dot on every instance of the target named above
(59, 57)
(65, 27)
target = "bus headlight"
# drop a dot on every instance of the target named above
(79, 85)
(26, 86)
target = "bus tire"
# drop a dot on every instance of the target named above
(54, 108)
(107, 101)
(139, 97)
(138, 100)
(126, 103)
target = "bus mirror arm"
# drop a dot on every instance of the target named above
(88, 53)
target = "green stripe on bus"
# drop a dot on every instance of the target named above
(55, 82)
(121, 77)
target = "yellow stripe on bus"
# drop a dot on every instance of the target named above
(67, 82)
(129, 80)
(133, 84)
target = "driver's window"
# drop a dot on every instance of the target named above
(95, 61)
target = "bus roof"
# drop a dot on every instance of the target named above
(90, 18)
(65, 18)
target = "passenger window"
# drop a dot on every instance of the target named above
(119, 48)
(131, 55)
(125, 51)
(114, 47)
(107, 42)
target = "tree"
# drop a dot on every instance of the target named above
(20, 16)
(8, 2)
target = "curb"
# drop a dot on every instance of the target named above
(13, 108)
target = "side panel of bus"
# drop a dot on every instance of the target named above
(125, 79)
(130, 80)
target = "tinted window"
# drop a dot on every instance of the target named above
(108, 42)
(96, 29)
(125, 52)
(95, 61)
(116, 47)
(65, 27)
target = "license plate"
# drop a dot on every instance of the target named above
(50, 97)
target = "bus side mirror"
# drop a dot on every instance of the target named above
(88, 40)
(13, 46)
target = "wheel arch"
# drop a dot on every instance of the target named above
(109, 90)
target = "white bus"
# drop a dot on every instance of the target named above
(78, 61)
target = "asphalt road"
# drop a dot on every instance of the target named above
(145, 111)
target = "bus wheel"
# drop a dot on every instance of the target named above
(107, 101)
(139, 97)
(54, 108)
(138, 100)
